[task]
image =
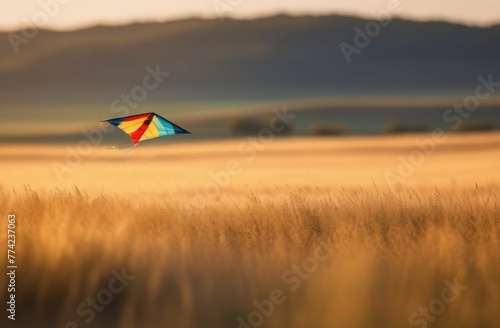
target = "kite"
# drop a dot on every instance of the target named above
(146, 126)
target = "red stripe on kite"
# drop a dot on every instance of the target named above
(135, 117)
(137, 135)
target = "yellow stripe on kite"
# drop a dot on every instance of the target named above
(154, 130)
(132, 126)
(151, 133)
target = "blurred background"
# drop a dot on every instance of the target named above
(216, 218)
(66, 66)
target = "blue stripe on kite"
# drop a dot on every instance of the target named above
(116, 121)
(164, 128)
(179, 130)
(170, 128)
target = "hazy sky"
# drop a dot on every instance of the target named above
(77, 13)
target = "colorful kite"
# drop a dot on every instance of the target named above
(146, 126)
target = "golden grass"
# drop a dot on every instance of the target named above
(324, 163)
(203, 263)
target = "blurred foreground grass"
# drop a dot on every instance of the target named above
(203, 263)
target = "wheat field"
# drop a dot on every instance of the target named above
(311, 255)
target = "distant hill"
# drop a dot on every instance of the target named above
(249, 60)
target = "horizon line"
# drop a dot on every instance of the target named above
(97, 24)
